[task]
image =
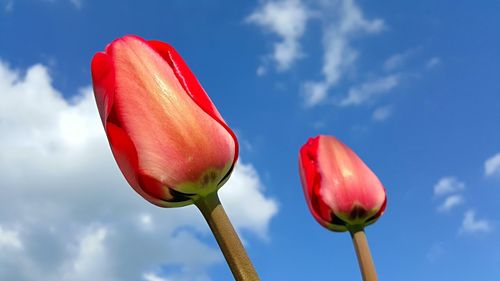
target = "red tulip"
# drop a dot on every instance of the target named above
(167, 137)
(341, 191)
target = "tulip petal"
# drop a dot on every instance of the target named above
(187, 79)
(104, 83)
(349, 187)
(191, 84)
(124, 152)
(375, 217)
(161, 195)
(167, 127)
(311, 182)
(167, 137)
(341, 191)
(126, 156)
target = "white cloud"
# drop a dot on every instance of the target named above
(435, 252)
(368, 91)
(433, 62)
(315, 92)
(450, 188)
(261, 70)
(66, 210)
(9, 239)
(245, 186)
(287, 19)
(382, 113)
(77, 3)
(492, 165)
(154, 277)
(342, 22)
(9, 6)
(398, 60)
(447, 185)
(394, 61)
(450, 202)
(472, 225)
(91, 261)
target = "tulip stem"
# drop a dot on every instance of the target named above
(226, 237)
(365, 260)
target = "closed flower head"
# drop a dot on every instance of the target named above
(341, 191)
(167, 137)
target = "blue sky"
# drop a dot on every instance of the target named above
(411, 86)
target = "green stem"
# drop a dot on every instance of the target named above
(365, 260)
(226, 237)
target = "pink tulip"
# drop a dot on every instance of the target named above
(341, 191)
(168, 139)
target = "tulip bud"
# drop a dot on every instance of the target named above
(342, 193)
(167, 137)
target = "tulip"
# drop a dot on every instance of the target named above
(342, 193)
(168, 139)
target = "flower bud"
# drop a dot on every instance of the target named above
(341, 191)
(167, 137)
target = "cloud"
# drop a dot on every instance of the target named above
(245, 186)
(66, 213)
(315, 92)
(435, 252)
(261, 70)
(382, 113)
(472, 225)
(398, 60)
(287, 19)
(433, 62)
(368, 91)
(342, 21)
(450, 187)
(394, 61)
(9, 5)
(447, 185)
(492, 165)
(154, 277)
(450, 202)
(91, 259)
(77, 3)
(9, 239)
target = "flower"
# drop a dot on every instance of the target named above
(341, 191)
(168, 139)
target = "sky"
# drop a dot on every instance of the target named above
(411, 86)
